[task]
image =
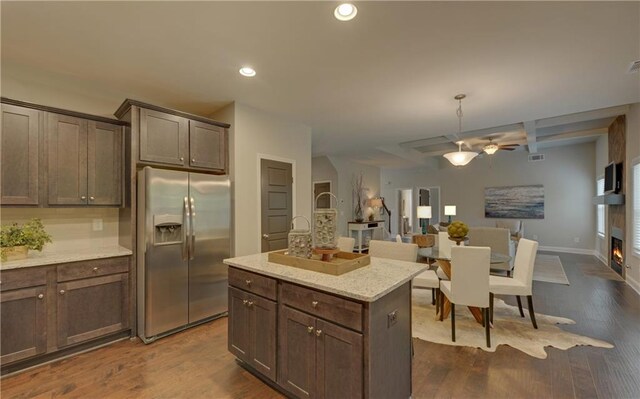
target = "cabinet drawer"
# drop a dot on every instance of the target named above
(252, 282)
(329, 307)
(92, 268)
(23, 278)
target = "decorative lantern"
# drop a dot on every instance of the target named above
(325, 223)
(300, 242)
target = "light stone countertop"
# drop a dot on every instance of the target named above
(365, 284)
(53, 257)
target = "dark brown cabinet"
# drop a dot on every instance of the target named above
(319, 359)
(92, 307)
(20, 154)
(176, 141)
(23, 316)
(252, 331)
(84, 161)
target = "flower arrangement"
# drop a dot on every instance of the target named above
(30, 235)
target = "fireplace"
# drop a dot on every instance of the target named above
(617, 250)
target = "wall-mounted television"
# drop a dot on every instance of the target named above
(613, 178)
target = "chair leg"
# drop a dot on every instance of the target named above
(491, 307)
(487, 328)
(508, 273)
(433, 296)
(520, 305)
(453, 322)
(441, 306)
(531, 313)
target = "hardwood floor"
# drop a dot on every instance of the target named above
(196, 363)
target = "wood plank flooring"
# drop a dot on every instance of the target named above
(196, 363)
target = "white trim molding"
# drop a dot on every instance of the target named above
(580, 251)
(601, 257)
(633, 284)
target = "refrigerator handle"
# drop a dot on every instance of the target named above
(192, 226)
(185, 229)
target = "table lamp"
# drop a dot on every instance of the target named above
(376, 204)
(424, 212)
(450, 210)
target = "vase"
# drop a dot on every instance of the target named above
(359, 216)
(16, 253)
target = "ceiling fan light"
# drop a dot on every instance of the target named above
(460, 158)
(490, 148)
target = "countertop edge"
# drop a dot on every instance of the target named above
(64, 258)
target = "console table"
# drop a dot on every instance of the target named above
(356, 229)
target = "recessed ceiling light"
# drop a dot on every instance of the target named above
(247, 71)
(345, 12)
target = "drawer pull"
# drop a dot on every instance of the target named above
(95, 269)
(62, 292)
(318, 333)
(310, 329)
(40, 296)
(314, 304)
(248, 282)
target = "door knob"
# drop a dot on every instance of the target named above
(265, 236)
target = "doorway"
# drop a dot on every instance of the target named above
(405, 211)
(430, 196)
(276, 191)
(320, 187)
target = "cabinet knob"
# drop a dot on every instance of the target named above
(95, 269)
(193, 159)
(40, 296)
(314, 304)
(244, 301)
(92, 198)
(62, 292)
(318, 332)
(182, 158)
(265, 236)
(250, 304)
(83, 198)
(310, 329)
(248, 282)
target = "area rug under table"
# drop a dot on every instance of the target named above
(509, 329)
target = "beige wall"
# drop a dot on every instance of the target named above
(567, 174)
(70, 228)
(633, 152)
(257, 134)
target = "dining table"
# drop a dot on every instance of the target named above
(443, 259)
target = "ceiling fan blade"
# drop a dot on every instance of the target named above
(507, 148)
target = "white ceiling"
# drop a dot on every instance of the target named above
(387, 77)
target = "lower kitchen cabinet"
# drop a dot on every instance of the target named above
(252, 331)
(23, 317)
(319, 359)
(92, 307)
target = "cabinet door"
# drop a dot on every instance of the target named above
(20, 155)
(207, 146)
(24, 324)
(163, 137)
(339, 362)
(92, 307)
(66, 142)
(104, 163)
(262, 331)
(238, 324)
(297, 352)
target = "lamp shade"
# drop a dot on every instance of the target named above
(424, 212)
(375, 203)
(450, 210)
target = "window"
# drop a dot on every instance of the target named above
(600, 210)
(636, 206)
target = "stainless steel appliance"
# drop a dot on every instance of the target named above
(183, 236)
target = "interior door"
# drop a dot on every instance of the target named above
(276, 203)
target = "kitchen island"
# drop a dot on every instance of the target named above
(313, 335)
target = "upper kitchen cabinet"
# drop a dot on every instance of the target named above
(20, 152)
(176, 139)
(104, 163)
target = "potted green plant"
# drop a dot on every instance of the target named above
(16, 240)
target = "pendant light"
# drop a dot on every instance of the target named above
(460, 158)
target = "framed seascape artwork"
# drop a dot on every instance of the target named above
(514, 202)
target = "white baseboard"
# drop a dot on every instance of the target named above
(633, 284)
(568, 250)
(601, 257)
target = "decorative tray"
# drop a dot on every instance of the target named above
(341, 263)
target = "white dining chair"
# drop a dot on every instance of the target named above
(469, 284)
(393, 250)
(444, 247)
(522, 282)
(346, 244)
(398, 238)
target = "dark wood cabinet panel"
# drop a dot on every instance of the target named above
(23, 316)
(207, 146)
(339, 362)
(20, 154)
(66, 142)
(92, 307)
(104, 163)
(262, 332)
(297, 352)
(238, 326)
(163, 138)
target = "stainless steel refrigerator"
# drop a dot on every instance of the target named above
(183, 236)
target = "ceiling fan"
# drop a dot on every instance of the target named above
(492, 147)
